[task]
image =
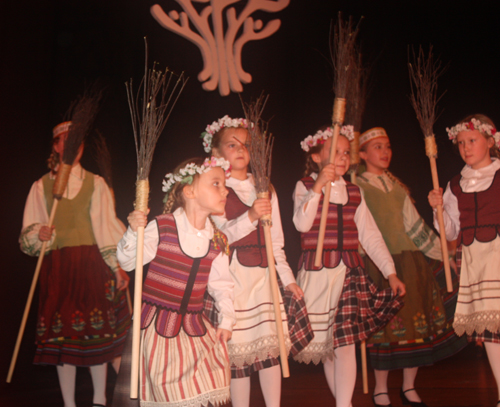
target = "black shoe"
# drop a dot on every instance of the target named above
(407, 402)
(380, 405)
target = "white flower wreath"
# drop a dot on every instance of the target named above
(474, 124)
(213, 128)
(186, 174)
(322, 135)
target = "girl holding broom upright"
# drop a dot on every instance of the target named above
(344, 305)
(82, 315)
(472, 214)
(184, 360)
(421, 333)
(254, 344)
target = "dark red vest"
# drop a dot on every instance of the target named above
(175, 285)
(250, 249)
(479, 212)
(341, 235)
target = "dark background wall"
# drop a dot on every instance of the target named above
(49, 49)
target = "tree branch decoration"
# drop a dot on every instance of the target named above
(424, 74)
(221, 52)
(261, 146)
(82, 113)
(149, 114)
(103, 158)
(342, 49)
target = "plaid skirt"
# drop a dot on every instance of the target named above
(352, 308)
(184, 370)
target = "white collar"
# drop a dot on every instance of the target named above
(232, 182)
(340, 181)
(488, 171)
(185, 226)
(76, 171)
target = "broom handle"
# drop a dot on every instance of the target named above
(129, 301)
(276, 300)
(442, 234)
(326, 201)
(364, 369)
(30, 296)
(136, 322)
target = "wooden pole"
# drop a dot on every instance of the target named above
(129, 301)
(364, 369)
(141, 204)
(266, 224)
(30, 296)
(337, 119)
(431, 151)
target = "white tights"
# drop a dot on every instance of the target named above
(493, 352)
(409, 375)
(340, 374)
(270, 384)
(67, 379)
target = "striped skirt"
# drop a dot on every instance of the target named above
(184, 370)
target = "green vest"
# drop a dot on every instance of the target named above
(72, 221)
(387, 209)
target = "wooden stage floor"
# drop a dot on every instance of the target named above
(462, 380)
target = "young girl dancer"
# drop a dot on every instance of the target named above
(344, 304)
(421, 333)
(472, 214)
(254, 344)
(184, 360)
(82, 317)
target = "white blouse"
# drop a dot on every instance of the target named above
(195, 243)
(107, 228)
(241, 226)
(472, 181)
(306, 206)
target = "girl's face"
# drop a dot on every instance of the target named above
(342, 158)
(209, 191)
(232, 147)
(58, 145)
(475, 148)
(377, 155)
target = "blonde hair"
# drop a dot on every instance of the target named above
(494, 152)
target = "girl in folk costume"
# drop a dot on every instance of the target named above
(472, 214)
(344, 304)
(254, 344)
(421, 333)
(83, 316)
(184, 360)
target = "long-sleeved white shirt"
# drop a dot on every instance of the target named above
(306, 206)
(472, 181)
(194, 243)
(107, 228)
(241, 226)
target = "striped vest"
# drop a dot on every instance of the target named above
(479, 212)
(251, 249)
(341, 235)
(175, 285)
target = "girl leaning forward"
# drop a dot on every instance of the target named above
(184, 360)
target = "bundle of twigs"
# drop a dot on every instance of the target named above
(424, 74)
(149, 113)
(82, 112)
(342, 49)
(355, 107)
(261, 146)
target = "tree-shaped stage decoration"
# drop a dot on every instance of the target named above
(221, 51)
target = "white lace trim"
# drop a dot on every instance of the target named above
(316, 352)
(246, 353)
(216, 397)
(478, 322)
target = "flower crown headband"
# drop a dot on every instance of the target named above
(473, 124)
(322, 135)
(213, 128)
(186, 174)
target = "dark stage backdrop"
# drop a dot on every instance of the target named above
(51, 48)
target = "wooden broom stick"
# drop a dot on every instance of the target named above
(342, 51)
(149, 116)
(424, 74)
(260, 158)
